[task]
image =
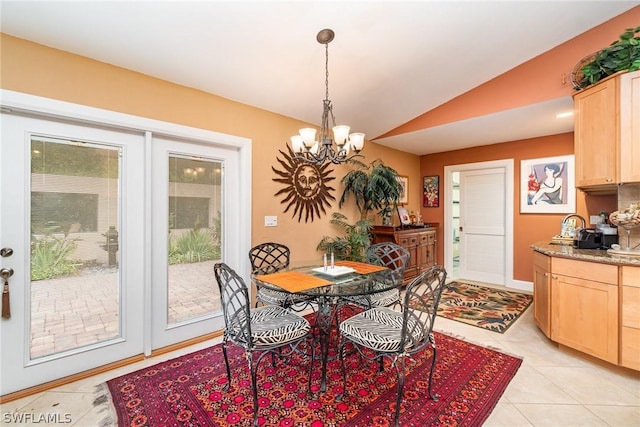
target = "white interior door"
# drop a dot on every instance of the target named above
(485, 221)
(73, 216)
(195, 204)
(482, 230)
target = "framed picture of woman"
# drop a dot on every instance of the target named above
(547, 185)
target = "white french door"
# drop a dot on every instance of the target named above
(109, 228)
(193, 188)
(74, 297)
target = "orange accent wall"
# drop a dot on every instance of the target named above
(39, 70)
(537, 80)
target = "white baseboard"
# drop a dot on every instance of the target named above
(521, 285)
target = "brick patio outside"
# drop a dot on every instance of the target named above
(81, 310)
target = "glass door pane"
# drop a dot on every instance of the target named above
(75, 277)
(194, 229)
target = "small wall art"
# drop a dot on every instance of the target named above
(404, 183)
(431, 191)
(547, 185)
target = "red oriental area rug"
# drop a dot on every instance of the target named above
(187, 391)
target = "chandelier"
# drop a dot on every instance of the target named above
(319, 150)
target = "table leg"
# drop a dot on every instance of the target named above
(323, 321)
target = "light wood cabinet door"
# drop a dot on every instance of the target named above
(584, 313)
(596, 134)
(630, 127)
(630, 317)
(607, 132)
(542, 292)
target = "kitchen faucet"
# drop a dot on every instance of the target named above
(569, 226)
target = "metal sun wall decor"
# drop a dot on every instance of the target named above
(306, 187)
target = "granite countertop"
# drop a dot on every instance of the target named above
(594, 255)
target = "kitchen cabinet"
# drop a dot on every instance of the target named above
(420, 242)
(630, 317)
(607, 133)
(542, 292)
(584, 307)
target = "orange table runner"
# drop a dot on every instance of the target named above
(361, 267)
(293, 281)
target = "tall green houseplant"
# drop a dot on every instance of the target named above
(374, 187)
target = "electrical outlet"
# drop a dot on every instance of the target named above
(594, 219)
(270, 221)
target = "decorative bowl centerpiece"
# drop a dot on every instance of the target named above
(627, 219)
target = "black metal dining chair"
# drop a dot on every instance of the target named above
(270, 329)
(396, 259)
(268, 258)
(381, 332)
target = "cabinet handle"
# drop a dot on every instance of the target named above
(554, 277)
(609, 180)
(546, 274)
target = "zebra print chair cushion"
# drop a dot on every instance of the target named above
(380, 329)
(275, 325)
(272, 297)
(380, 299)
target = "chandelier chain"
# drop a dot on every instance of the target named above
(326, 70)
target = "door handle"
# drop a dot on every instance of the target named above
(5, 273)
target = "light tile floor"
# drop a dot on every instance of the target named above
(552, 387)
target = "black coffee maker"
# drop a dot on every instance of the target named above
(588, 238)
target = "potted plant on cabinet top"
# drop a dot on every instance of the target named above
(621, 55)
(374, 187)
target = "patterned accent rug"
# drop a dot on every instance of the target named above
(481, 306)
(187, 391)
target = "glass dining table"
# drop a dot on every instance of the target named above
(328, 287)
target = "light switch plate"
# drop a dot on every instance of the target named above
(270, 221)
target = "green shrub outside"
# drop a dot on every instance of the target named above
(50, 257)
(197, 245)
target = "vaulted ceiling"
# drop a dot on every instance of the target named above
(391, 63)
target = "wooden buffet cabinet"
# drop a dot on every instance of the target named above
(589, 306)
(607, 133)
(420, 242)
